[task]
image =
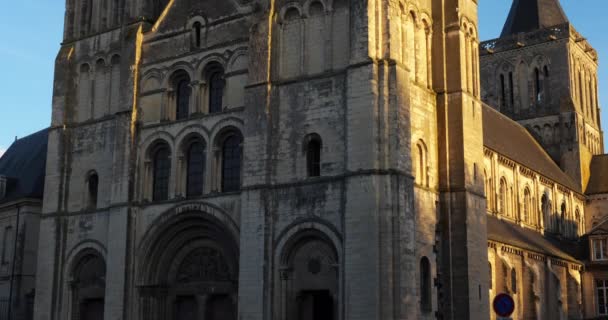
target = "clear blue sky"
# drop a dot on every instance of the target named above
(31, 33)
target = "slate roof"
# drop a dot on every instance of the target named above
(24, 164)
(509, 233)
(513, 141)
(598, 182)
(530, 15)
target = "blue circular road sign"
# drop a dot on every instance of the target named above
(503, 305)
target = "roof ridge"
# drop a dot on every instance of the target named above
(599, 224)
(536, 144)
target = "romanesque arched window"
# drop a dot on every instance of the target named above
(503, 197)
(578, 221)
(592, 102)
(195, 171)
(523, 86)
(491, 278)
(86, 16)
(487, 190)
(84, 93)
(411, 25)
(421, 164)
(513, 281)
(88, 287)
(503, 93)
(562, 218)
(546, 210)
(291, 50)
(581, 97)
(426, 53)
(231, 162)
(92, 187)
(528, 214)
(182, 95)
(426, 302)
(115, 84)
(537, 86)
(505, 276)
(511, 90)
(161, 172)
(196, 30)
(340, 35)
(314, 30)
(313, 155)
(216, 87)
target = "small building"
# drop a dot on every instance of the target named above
(22, 174)
(595, 279)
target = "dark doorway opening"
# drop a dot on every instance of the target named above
(316, 305)
(92, 309)
(186, 308)
(220, 307)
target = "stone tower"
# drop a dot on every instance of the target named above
(348, 132)
(462, 227)
(543, 74)
(90, 150)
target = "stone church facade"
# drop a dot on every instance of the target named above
(318, 159)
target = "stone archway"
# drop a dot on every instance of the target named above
(309, 278)
(189, 271)
(88, 286)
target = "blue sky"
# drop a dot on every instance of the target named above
(31, 32)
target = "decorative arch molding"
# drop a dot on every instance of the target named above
(156, 137)
(308, 264)
(231, 65)
(153, 72)
(186, 211)
(224, 125)
(190, 130)
(190, 252)
(100, 62)
(83, 248)
(306, 227)
(468, 26)
(411, 10)
(425, 17)
(287, 7)
(151, 83)
(176, 68)
(84, 68)
(307, 5)
(206, 61)
(85, 277)
(202, 19)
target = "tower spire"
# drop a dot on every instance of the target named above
(530, 15)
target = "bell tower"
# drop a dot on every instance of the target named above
(542, 73)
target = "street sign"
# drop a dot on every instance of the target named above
(503, 305)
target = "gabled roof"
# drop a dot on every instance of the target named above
(527, 239)
(513, 141)
(24, 164)
(530, 15)
(598, 182)
(599, 228)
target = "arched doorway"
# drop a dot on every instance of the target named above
(190, 271)
(88, 287)
(309, 274)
